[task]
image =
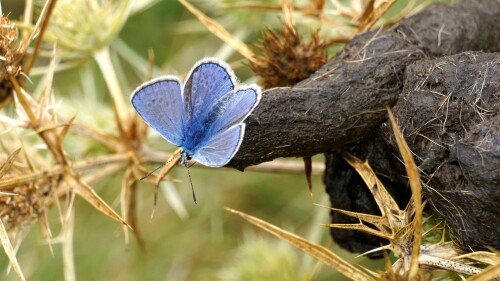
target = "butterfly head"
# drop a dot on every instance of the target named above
(185, 157)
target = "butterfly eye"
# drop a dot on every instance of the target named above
(189, 157)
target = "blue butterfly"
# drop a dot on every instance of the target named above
(204, 116)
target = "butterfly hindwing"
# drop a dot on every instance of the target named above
(221, 147)
(159, 103)
(236, 107)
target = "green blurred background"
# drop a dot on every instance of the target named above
(186, 241)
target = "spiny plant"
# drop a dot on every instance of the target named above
(416, 260)
(33, 177)
(39, 167)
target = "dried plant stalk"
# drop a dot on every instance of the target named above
(317, 251)
(219, 31)
(10, 251)
(416, 191)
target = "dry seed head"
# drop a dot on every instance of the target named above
(22, 208)
(10, 56)
(23, 204)
(288, 59)
(82, 27)
(22, 201)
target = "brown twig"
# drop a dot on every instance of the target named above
(45, 21)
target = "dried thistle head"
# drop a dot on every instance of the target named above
(82, 27)
(10, 57)
(288, 59)
(24, 206)
(22, 203)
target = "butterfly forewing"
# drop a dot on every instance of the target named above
(159, 103)
(207, 82)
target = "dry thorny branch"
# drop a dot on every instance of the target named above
(402, 228)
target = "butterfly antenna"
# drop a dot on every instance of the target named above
(191, 182)
(156, 169)
(150, 173)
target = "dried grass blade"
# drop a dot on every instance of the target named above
(11, 183)
(359, 227)
(8, 163)
(287, 6)
(53, 144)
(66, 126)
(24, 102)
(416, 189)
(219, 31)
(47, 234)
(52, 127)
(319, 252)
(129, 206)
(42, 22)
(44, 100)
(375, 15)
(481, 256)
(384, 200)
(87, 193)
(382, 248)
(55, 199)
(372, 219)
(28, 160)
(367, 12)
(7, 246)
